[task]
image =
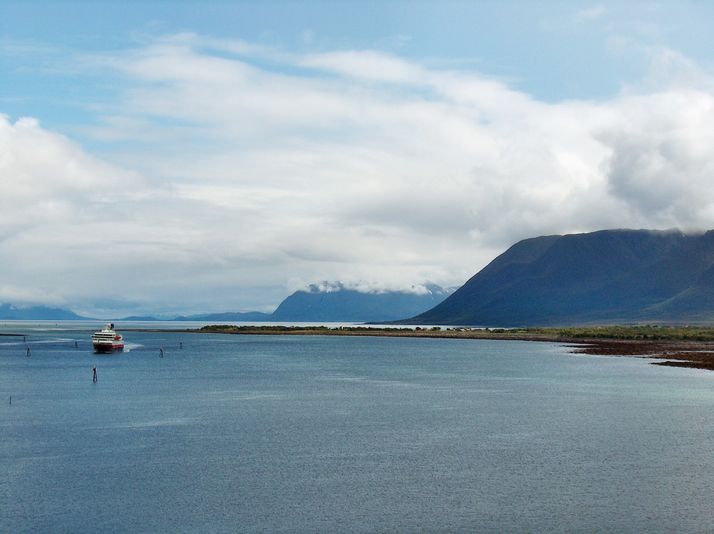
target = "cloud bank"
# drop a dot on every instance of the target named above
(224, 174)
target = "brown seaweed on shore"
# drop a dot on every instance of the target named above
(695, 355)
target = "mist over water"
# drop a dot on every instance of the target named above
(305, 434)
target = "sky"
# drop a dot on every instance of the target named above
(181, 157)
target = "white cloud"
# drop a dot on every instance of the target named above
(660, 163)
(255, 172)
(361, 286)
(45, 178)
(366, 65)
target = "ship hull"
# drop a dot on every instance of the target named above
(108, 347)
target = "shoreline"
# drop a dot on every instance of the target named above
(689, 347)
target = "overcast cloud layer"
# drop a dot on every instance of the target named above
(226, 175)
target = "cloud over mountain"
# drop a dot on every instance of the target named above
(220, 170)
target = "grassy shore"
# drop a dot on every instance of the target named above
(677, 346)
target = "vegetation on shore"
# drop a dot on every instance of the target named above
(575, 333)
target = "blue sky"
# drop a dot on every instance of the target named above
(231, 152)
(552, 50)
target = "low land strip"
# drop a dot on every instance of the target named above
(676, 346)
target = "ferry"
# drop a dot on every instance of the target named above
(107, 340)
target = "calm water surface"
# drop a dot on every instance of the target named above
(323, 434)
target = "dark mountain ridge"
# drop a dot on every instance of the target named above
(607, 276)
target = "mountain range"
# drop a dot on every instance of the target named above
(335, 302)
(318, 303)
(610, 276)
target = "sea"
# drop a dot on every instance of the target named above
(188, 432)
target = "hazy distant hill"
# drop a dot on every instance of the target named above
(339, 303)
(226, 316)
(607, 276)
(10, 312)
(333, 303)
